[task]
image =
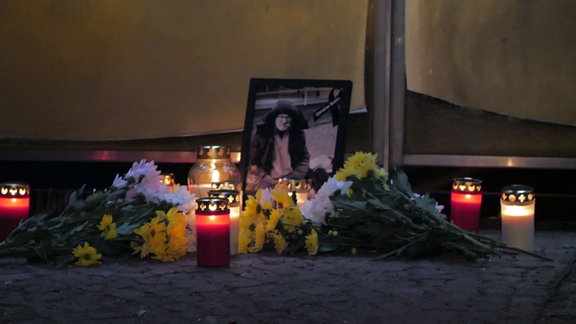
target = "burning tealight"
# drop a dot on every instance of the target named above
(212, 232)
(14, 206)
(296, 188)
(233, 198)
(465, 203)
(517, 203)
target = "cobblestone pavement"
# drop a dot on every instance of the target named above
(266, 288)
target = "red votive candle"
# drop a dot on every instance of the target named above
(212, 232)
(465, 203)
(14, 206)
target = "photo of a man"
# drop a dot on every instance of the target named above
(294, 130)
(278, 149)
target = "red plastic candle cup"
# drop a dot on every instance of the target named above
(465, 203)
(14, 206)
(212, 232)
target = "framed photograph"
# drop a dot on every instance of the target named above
(294, 129)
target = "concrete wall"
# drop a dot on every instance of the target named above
(516, 57)
(122, 69)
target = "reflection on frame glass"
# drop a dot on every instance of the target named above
(294, 129)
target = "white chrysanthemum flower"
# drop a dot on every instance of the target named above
(119, 182)
(318, 208)
(439, 208)
(180, 196)
(151, 186)
(148, 169)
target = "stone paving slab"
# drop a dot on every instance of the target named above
(266, 288)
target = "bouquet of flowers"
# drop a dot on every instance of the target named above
(272, 220)
(360, 207)
(138, 214)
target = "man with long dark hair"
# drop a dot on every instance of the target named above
(278, 149)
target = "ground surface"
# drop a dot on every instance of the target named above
(266, 288)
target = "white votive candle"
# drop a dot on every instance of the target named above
(517, 206)
(234, 228)
(233, 197)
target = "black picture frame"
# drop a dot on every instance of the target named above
(324, 106)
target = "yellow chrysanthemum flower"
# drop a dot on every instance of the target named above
(360, 164)
(247, 217)
(251, 207)
(280, 243)
(312, 243)
(380, 173)
(108, 227)
(292, 218)
(342, 174)
(244, 239)
(282, 198)
(161, 215)
(259, 238)
(275, 215)
(177, 246)
(154, 235)
(87, 255)
(176, 230)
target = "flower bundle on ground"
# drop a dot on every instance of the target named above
(360, 208)
(366, 210)
(138, 214)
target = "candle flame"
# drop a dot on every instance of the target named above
(215, 176)
(212, 217)
(468, 196)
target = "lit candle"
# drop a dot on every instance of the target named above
(202, 190)
(212, 232)
(225, 185)
(297, 189)
(233, 198)
(168, 179)
(14, 206)
(465, 203)
(517, 204)
(213, 165)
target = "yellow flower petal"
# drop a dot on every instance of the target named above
(280, 243)
(86, 254)
(312, 243)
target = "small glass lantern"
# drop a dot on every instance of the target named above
(213, 166)
(465, 203)
(14, 206)
(297, 189)
(233, 198)
(212, 232)
(168, 179)
(517, 204)
(226, 185)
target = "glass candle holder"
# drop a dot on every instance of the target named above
(233, 198)
(168, 179)
(517, 207)
(226, 185)
(297, 189)
(14, 206)
(212, 232)
(213, 166)
(465, 203)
